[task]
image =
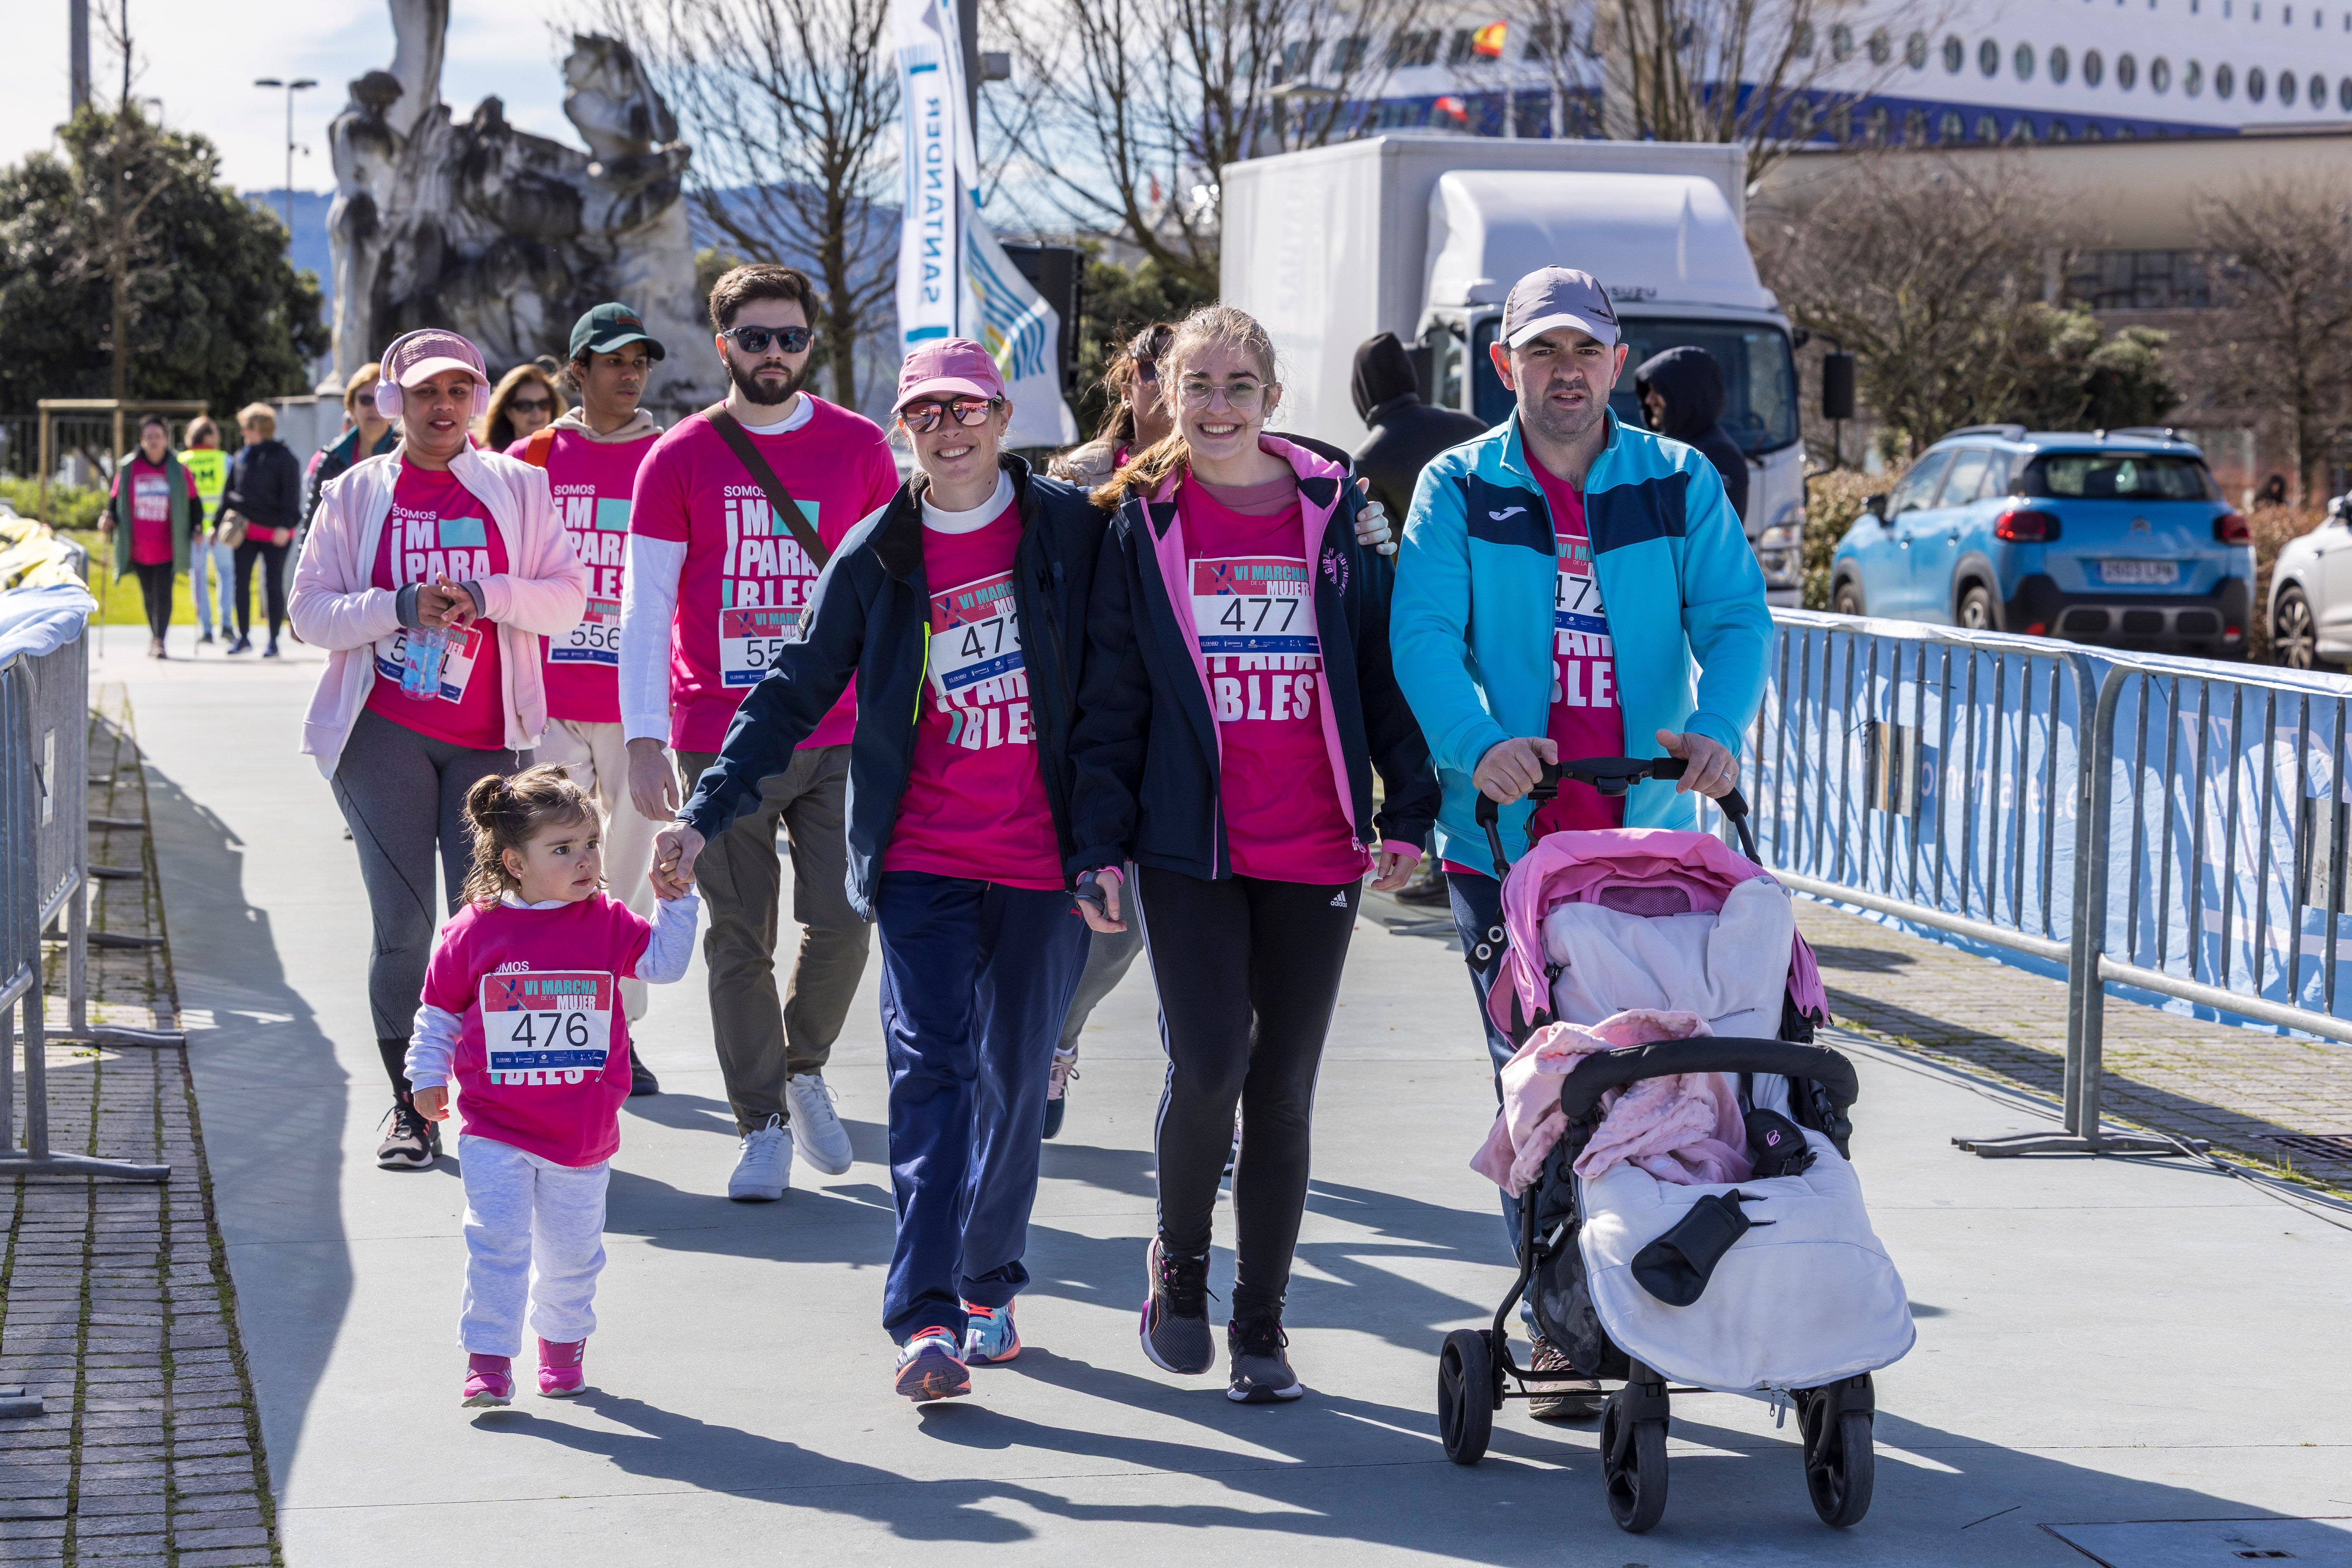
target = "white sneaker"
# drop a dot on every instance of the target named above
(824, 1141)
(765, 1167)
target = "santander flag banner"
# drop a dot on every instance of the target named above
(954, 279)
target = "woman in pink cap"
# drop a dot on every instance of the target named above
(429, 575)
(958, 609)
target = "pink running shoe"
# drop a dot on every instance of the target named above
(490, 1382)
(559, 1376)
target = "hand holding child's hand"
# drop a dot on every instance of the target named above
(433, 1104)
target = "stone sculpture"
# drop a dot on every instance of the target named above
(505, 236)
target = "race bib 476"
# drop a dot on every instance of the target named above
(547, 1026)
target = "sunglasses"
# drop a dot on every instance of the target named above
(924, 417)
(755, 340)
(529, 405)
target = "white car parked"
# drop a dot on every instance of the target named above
(2311, 594)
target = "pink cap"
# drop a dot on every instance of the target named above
(418, 355)
(951, 367)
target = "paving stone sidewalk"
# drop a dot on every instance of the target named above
(2239, 1090)
(115, 1302)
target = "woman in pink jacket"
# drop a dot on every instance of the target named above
(429, 576)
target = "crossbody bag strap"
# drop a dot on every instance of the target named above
(738, 441)
(535, 450)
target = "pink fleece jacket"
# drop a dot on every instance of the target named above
(336, 605)
(1570, 867)
(1684, 1128)
(1170, 550)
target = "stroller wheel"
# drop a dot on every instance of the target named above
(1632, 1466)
(1838, 1461)
(1466, 1395)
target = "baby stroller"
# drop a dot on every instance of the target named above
(1667, 1287)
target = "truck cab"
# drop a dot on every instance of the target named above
(1669, 250)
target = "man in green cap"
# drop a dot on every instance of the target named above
(591, 453)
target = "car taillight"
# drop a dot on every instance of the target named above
(2231, 528)
(2025, 526)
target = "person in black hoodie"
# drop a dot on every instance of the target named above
(1406, 432)
(1238, 696)
(265, 489)
(959, 611)
(1682, 396)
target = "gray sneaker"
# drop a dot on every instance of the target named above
(823, 1140)
(1564, 1396)
(763, 1167)
(1175, 1326)
(1260, 1371)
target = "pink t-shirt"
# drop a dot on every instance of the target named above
(592, 482)
(746, 579)
(440, 528)
(975, 803)
(150, 510)
(542, 1058)
(1253, 607)
(1585, 719)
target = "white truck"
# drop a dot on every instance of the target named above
(1424, 235)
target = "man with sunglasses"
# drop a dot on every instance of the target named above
(720, 575)
(959, 611)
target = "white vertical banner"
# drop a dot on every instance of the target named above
(954, 279)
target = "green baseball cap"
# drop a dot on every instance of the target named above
(609, 326)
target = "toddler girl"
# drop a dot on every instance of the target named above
(520, 1011)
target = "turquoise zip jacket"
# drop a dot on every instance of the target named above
(1471, 623)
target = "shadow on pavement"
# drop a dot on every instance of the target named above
(274, 1101)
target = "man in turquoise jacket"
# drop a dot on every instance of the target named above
(1570, 585)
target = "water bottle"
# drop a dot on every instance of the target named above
(420, 670)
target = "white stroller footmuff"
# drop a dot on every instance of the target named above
(1805, 1297)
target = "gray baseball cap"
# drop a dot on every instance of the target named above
(1558, 297)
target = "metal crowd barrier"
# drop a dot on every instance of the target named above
(44, 876)
(1939, 776)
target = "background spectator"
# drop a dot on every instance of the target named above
(265, 495)
(208, 466)
(1682, 396)
(526, 401)
(151, 512)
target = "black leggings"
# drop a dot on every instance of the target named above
(155, 587)
(273, 585)
(1248, 971)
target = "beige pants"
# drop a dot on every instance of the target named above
(763, 1040)
(598, 761)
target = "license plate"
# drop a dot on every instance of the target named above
(2139, 573)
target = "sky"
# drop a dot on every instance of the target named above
(202, 67)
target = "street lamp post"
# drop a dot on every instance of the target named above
(291, 88)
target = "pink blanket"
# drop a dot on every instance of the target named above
(1568, 867)
(1684, 1128)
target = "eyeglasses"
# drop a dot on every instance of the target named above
(755, 340)
(1240, 398)
(529, 405)
(923, 419)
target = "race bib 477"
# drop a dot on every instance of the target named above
(1254, 605)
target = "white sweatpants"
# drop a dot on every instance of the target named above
(597, 759)
(535, 1231)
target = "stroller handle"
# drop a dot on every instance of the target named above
(1580, 1090)
(1611, 776)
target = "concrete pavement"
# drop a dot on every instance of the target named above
(2105, 1346)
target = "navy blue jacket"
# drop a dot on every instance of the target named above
(868, 620)
(1146, 750)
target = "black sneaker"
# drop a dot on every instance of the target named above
(1577, 1399)
(242, 645)
(1175, 1326)
(413, 1143)
(641, 1078)
(1261, 1373)
(1427, 887)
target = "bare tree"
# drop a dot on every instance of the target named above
(2284, 299)
(1932, 271)
(793, 109)
(1125, 112)
(123, 239)
(1657, 69)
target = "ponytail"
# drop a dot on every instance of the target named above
(505, 813)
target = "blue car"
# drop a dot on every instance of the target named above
(2119, 538)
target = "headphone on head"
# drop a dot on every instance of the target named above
(388, 400)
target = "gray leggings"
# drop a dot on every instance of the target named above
(403, 795)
